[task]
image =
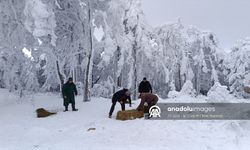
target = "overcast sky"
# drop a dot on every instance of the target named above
(228, 19)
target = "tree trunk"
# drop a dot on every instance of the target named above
(116, 78)
(135, 48)
(60, 75)
(89, 67)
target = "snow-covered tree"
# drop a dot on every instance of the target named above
(238, 68)
(106, 45)
(17, 72)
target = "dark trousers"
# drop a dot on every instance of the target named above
(67, 102)
(146, 109)
(113, 106)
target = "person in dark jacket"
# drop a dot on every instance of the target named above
(121, 96)
(145, 86)
(69, 91)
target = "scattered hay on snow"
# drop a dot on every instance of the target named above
(129, 114)
(42, 113)
(91, 129)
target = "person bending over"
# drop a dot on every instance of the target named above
(120, 96)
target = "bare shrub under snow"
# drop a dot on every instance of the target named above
(218, 93)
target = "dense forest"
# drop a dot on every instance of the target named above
(108, 44)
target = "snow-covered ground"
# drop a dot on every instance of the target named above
(21, 130)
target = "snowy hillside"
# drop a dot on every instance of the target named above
(21, 130)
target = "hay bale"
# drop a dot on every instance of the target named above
(129, 114)
(247, 89)
(42, 113)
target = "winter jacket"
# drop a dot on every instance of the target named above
(120, 96)
(148, 98)
(145, 87)
(69, 91)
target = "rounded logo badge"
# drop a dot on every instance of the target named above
(155, 111)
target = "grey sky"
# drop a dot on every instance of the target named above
(228, 19)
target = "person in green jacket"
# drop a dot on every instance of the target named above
(69, 91)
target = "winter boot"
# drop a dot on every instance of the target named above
(73, 108)
(66, 109)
